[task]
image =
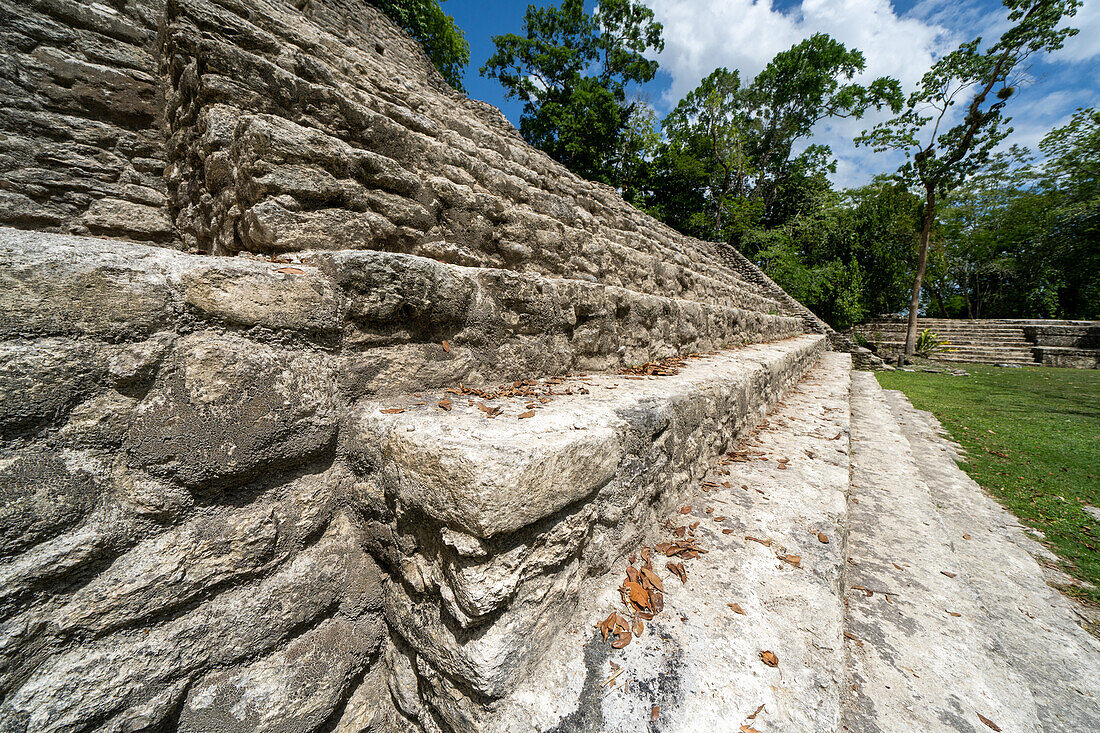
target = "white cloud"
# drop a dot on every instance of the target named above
(1086, 44)
(701, 35)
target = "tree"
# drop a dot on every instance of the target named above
(571, 70)
(737, 142)
(938, 161)
(443, 41)
(1071, 177)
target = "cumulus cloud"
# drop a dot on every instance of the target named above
(701, 35)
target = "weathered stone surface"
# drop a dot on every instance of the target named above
(698, 660)
(206, 524)
(113, 679)
(587, 471)
(189, 426)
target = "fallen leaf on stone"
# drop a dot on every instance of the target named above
(795, 560)
(769, 659)
(727, 484)
(850, 635)
(652, 578)
(622, 638)
(291, 271)
(868, 591)
(612, 624)
(952, 613)
(899, 567)
(822, 538)
(950, 575)
(728, 531)
(736, 608)
(446, 347)
(529, 413)
(966, 536)
(765, 543)
(677, 568)
(638, 595)
(710, 510)
(783, 466)
(445, 404)
(655, 712)
(756, 712)
(393, 410)
(720, 519)
(638, 627)
(748, 729)
(986, 720)
(685, 509)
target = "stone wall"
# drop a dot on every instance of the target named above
(251, 472)
(81, 148)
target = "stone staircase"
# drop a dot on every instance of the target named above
(1074, 344)
(913, 601)
(328, 404)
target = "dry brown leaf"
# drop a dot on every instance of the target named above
(446, 346)
(445, 404)
(720, 519)
(899, 567)
(728, 531)
(393, 410)
(677, 568)
(652, 578)
(655, 712)
(966, 536)
(850, 635)
(529, 413)
(685, 509)
(622, 638)
(638, 627)
(769, 659)
(950, 575)
(988, 722)
(736, 608)
(748, 729)
(795, 560)
(822, 538)
(952, 613)
(639, 596)
(756, 712)
(291, 271)
(765, 543)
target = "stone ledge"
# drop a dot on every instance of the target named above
(512, 514)
(698, 660)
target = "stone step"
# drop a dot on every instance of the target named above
(920, 652)
(512, 513)
(1037, 631)
(697, 665)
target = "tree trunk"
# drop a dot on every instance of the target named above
(922, 265)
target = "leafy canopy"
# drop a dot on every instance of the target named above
(571, 70)
(443, 41)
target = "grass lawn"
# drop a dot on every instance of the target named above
(1032, 436)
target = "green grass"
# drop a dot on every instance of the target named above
(1032, 436)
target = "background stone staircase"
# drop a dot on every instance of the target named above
(1074, 344)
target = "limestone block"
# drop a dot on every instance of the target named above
(293, 690)
(226, 407)
(126, 678)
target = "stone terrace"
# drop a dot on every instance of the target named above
(327, 404)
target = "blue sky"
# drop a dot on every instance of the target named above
(899, 39)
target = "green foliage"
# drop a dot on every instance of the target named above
(571, 70)
(443, 41)
(732, 145)
(928, 343)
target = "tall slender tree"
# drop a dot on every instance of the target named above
(939, 155)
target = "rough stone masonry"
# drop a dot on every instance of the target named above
(275, 303)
